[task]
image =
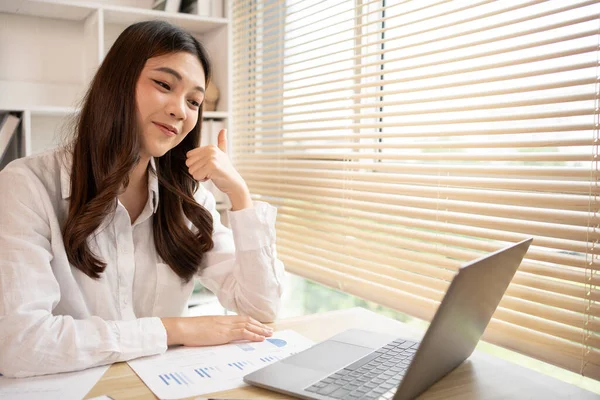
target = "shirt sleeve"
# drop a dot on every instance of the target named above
(243, 269)
(33, 341)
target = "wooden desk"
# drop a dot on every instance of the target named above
(481, 377)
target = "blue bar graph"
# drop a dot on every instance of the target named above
(176, 380)
(245, 347)
(269, 359)
(164, 379)
(204, 372)
(241, 365)
(183, 378)
(175, 377)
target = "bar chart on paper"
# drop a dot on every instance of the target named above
(187, 371)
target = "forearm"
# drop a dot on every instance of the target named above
(36, 343)
(246, 275)
(173, 328)
(240, 199)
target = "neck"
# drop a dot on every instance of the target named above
(138, 176)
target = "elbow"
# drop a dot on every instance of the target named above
(16, 349)
(267, 316)
(262, 304)
(7, 368)
(266, 309)
(270, 307)
(263, 311)
(12, 369)
(12, 365)
(30, 345)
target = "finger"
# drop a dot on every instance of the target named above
(200, 172)
(193, 152)
(201, 153)
(194, 159)
(198, 151)
(245, 334)
(258, 329)
(262, 327)
(249, 319)
(222, 140)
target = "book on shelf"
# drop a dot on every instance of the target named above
(159, 5)
(167, 5)
(205, 8)
(172, 6)
(9, 138)
(216, 8)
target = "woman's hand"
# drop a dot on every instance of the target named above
(211, 162)
(213, 330)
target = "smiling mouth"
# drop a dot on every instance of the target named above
(167, 130)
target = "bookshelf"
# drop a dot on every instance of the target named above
(50, 50)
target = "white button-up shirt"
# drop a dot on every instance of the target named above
(54, 318)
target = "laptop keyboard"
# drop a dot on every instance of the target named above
(375, 376)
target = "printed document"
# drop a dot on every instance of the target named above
(192, 371)
(70, 385)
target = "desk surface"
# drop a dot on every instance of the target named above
(481, 377)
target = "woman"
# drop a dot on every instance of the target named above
(99, 244)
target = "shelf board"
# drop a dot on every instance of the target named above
(55, 97)
(48, 9)
(59, 111)
(113, 14)
(53, 111)
(215, 115)
(192, 23)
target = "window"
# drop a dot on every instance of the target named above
(400, 139)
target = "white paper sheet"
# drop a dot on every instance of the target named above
(71, 385)
(192, 371)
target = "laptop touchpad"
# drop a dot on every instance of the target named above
(328, 356)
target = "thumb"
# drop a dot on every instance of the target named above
(222, 140)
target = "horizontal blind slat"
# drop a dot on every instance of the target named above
(452, 170)
(406, 282)
(399, 141)
(420, 272)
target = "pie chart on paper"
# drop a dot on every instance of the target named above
(277, 342)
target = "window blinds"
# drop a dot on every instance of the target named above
(401, 139)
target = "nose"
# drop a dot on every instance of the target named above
(176, 108)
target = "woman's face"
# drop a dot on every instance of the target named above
(169, 94)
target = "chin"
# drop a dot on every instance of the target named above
(158, 146)
(157, 151)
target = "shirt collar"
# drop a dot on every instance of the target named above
(153, 185)
(65, 180)
(65, 174)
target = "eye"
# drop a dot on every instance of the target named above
(162, 84)
(194, 103)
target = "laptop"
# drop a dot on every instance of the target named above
(358, 364)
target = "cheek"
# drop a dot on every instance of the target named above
(188, 125)
(149, 100)
(190, 121)
(144, 101)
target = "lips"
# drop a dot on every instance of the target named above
(166, 129)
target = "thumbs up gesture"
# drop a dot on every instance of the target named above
(211, 162)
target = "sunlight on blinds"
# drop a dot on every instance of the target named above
(401, 139)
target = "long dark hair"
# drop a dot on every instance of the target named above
(106, 148)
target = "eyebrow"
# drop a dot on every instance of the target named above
(176, 75)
